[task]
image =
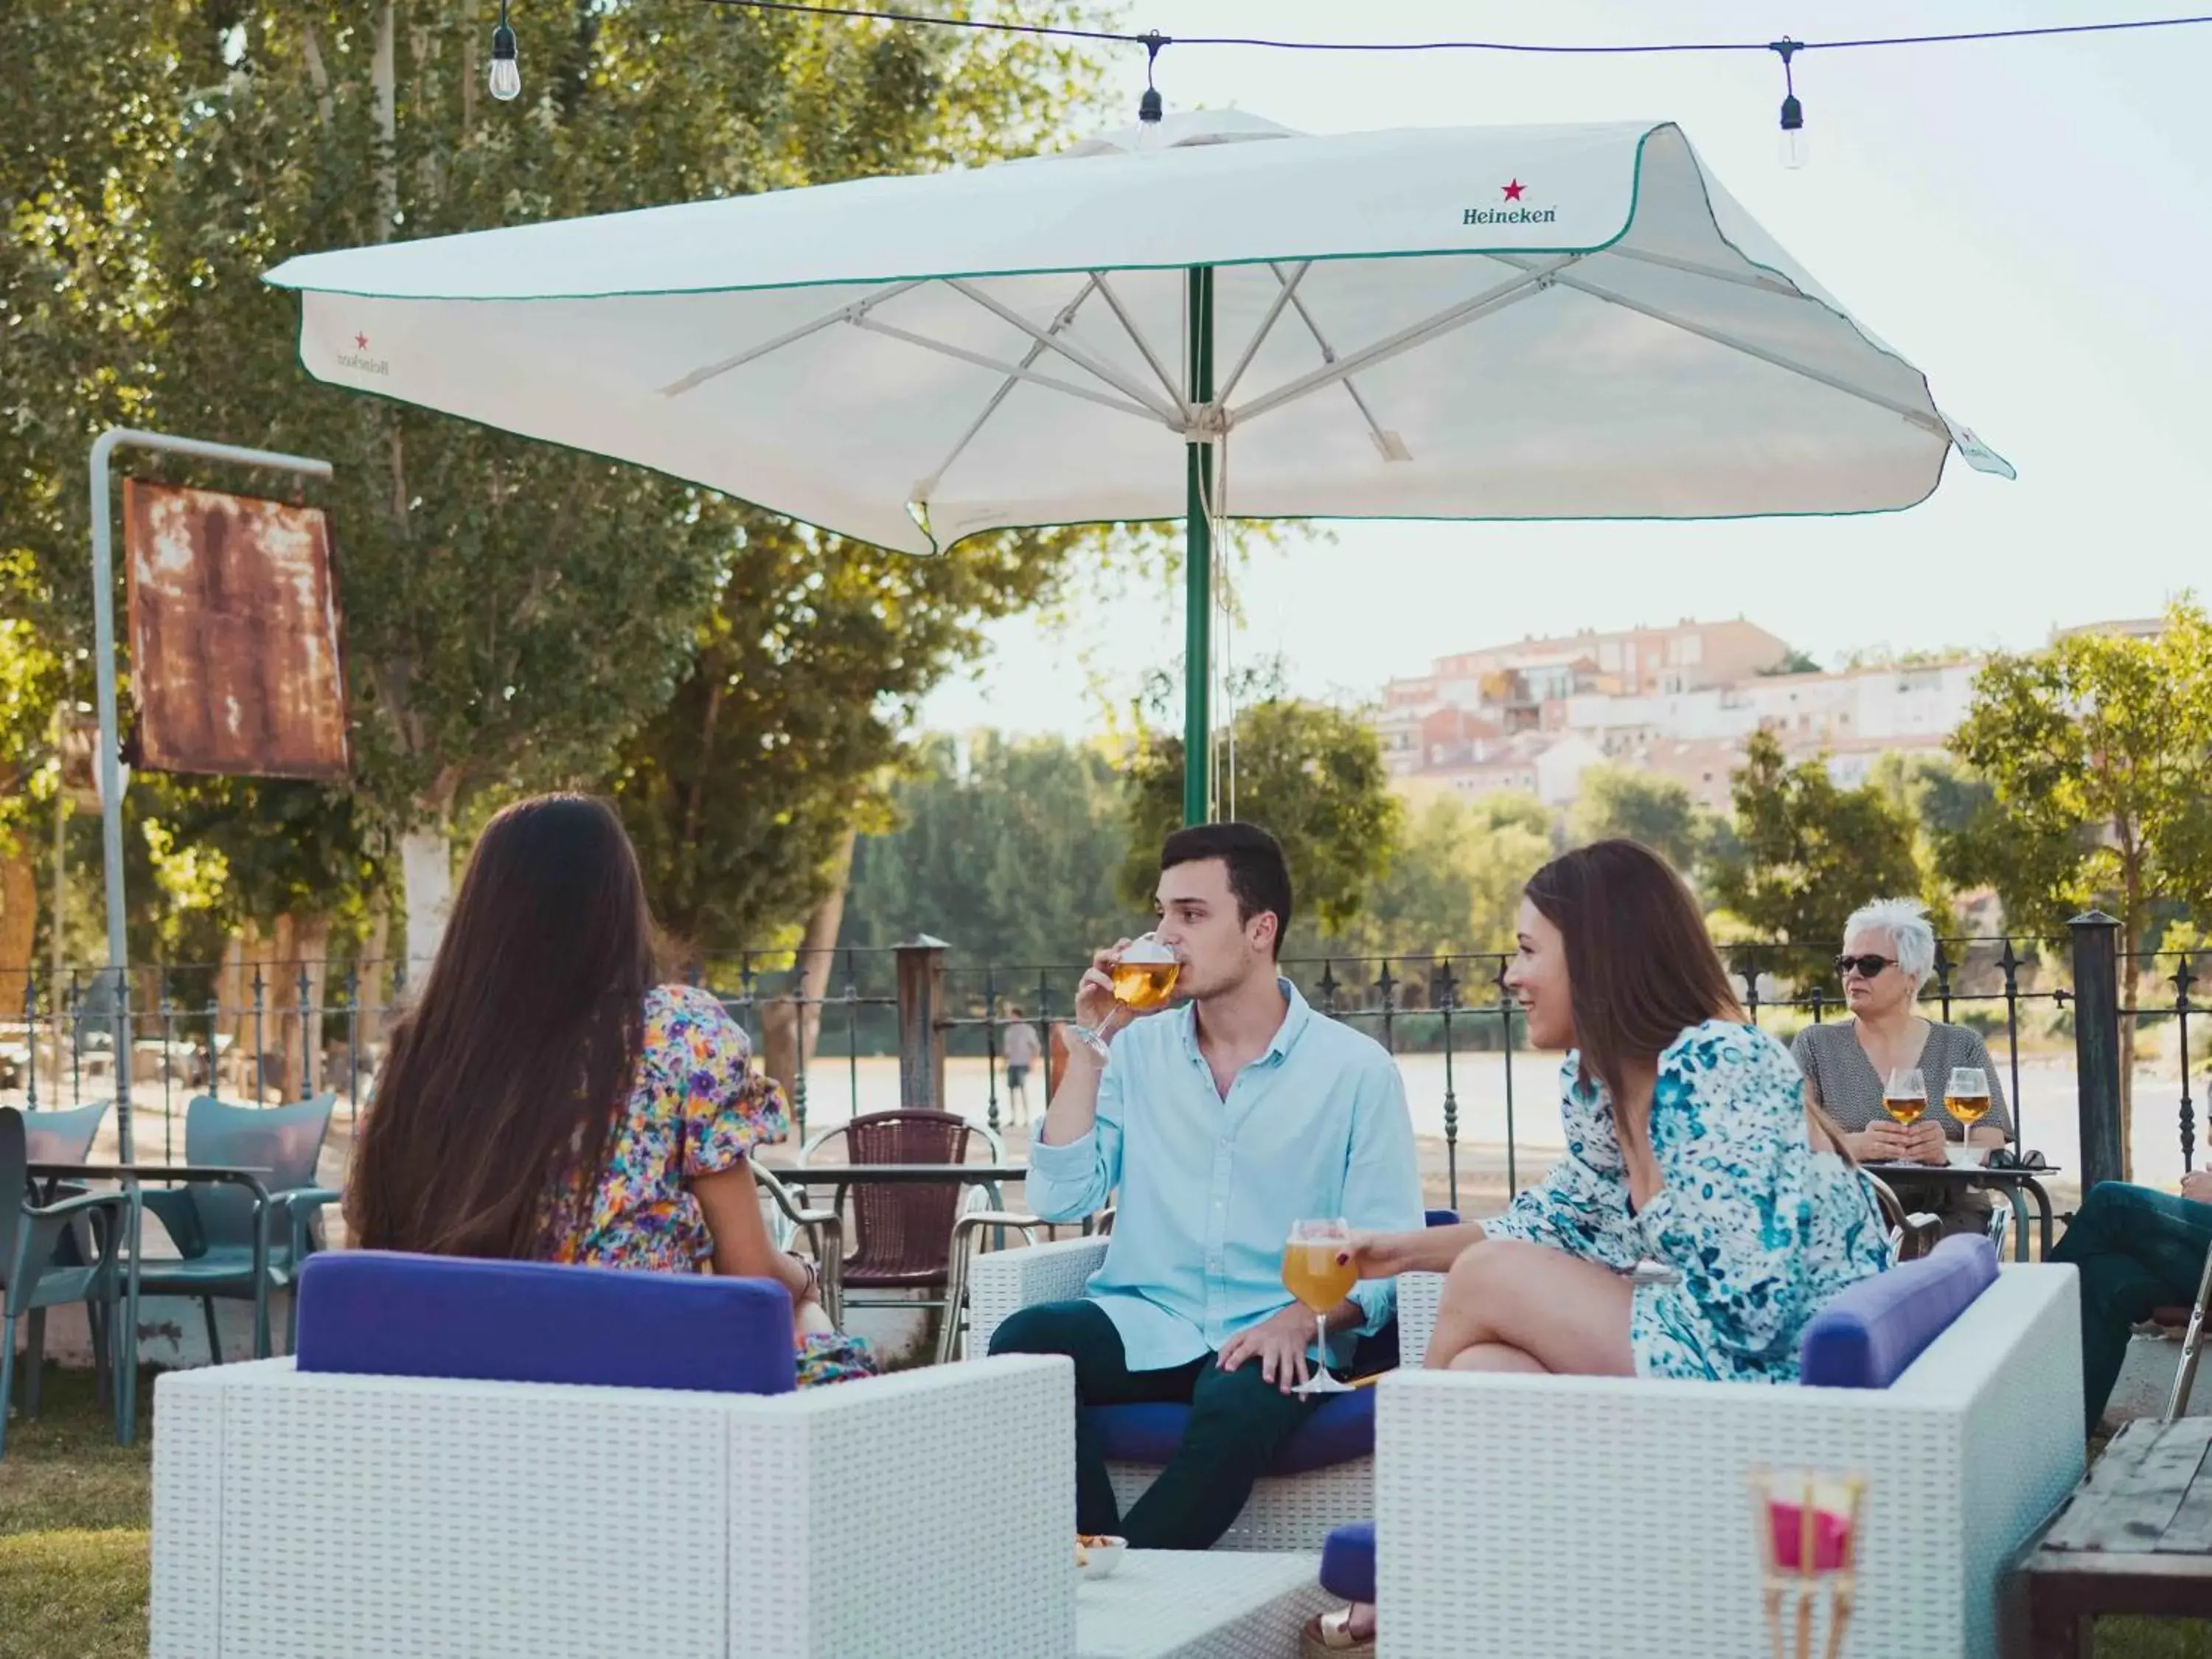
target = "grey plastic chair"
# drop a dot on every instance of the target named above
(32, 1280)
(242, 1239)
(63, 1136)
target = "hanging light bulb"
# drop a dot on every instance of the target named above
(1149, 107)
(1796, 148)
(506, 70)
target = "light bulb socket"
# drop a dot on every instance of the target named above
(1793, 114)
(1149, 108)
(502, 42)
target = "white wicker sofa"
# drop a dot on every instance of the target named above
(303, 1512)
(1285, 1512)
(1530, 1515)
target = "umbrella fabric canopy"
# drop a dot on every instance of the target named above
(1477, 323)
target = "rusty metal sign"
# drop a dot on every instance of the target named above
(237, 652)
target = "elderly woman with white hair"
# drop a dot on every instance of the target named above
(1889, 949)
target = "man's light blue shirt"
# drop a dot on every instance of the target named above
(1315, 1127)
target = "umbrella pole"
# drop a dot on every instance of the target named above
(1198, 565)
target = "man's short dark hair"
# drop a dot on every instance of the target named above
(1258, 875)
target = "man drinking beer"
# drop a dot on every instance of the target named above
(1222, 1121)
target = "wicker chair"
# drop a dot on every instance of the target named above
(903, 1235)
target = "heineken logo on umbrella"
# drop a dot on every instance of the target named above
(359, 359)
(1511, 210)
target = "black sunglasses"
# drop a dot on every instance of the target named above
(1867, 966)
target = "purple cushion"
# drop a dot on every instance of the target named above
(1338, 1430)
(1347, 1562)
(382, 1314)
(1867, 1337)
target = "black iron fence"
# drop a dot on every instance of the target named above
(854, 1030)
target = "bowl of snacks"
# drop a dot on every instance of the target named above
(1096, 1554)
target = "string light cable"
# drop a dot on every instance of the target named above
(506, 80)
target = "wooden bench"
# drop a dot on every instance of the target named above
(2135, 1537)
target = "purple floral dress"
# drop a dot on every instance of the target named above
(698, 1107)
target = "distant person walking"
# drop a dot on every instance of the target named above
(1022, 1048)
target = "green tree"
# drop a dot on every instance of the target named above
(1455, 880)
(742, 792)
(2096, 752)
(1641, 806)
(1311, 773)
(1013, 858)
(514, 612)
(1805, 854)
(1792, 661)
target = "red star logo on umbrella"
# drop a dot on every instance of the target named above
(360, 341)
(1513, 191)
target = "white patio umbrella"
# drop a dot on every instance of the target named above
(1212, 316)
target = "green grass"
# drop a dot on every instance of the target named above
(73, 1530)
(74, 1509)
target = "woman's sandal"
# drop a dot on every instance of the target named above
(1328, 1636)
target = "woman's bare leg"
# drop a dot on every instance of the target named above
(1511, 1306)
(1514, 1306)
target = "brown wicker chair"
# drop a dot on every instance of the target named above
(902, 1235)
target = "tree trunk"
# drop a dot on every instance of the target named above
(426, 884)
(372, 979)
(785, 1050)
(19, 927)
(303, 943)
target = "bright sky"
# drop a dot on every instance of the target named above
(2030, 223)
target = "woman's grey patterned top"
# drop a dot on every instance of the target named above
(1844, 1078)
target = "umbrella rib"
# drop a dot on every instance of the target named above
(1689, 268)
(1082, 360)
(1014, 370)
(1137, 337)
(928, 487)
(1328, 355)
(1919, 417)
(844, 313)
(1490, 299)
(1285, 290)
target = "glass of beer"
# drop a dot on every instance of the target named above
(1904, 1097)
(1318, 1270)
(1967, 1097)
(1144, 977)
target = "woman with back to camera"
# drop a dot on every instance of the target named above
(545, 1098)
(1690, 1143)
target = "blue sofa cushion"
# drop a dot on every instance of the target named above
(1347, 1562)
(385, 1314)
(1338, 1430)
(1867, 1337)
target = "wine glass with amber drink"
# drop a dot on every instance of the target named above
(1143, 979)
(1319, 1271)
(1967, 1097)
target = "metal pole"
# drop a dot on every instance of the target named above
(1198, 562)
(109, 760)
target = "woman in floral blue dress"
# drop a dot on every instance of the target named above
(1690, 1144)
(543, 1098)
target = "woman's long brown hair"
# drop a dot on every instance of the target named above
(1641, 967)
(499, 1094)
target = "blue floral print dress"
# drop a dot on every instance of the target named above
(1763, 1228)
(698, 1107)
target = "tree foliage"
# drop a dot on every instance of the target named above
(1805, 854)
(1453, 885)
(1641, 806)
(514, 613)
(2095, 754)
(1011, 857)
(1309, 773)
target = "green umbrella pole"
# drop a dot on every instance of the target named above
(1198, 567)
